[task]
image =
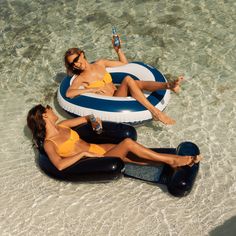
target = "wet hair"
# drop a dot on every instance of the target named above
(37, 124)
(70, 69)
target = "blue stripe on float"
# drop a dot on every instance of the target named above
(117, 77)
(108, 105)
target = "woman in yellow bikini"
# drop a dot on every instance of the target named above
(93, 78)
(64, 146)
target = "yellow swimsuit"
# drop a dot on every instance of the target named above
(96, 149)
(100, 83)
(67, 148)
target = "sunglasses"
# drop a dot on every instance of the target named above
(74, 61)
(48, 107)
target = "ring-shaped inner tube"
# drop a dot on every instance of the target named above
(117, 109)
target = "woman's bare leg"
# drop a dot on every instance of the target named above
(153, 86)
(128, 145)
(129, 85)
(122, 90)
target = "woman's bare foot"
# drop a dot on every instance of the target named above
(162, 117)
(195, 160)
(186, 161)
(175, 85)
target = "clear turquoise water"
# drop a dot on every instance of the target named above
(194, 38)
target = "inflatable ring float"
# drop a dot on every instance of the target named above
(117, 109)
(179, 181)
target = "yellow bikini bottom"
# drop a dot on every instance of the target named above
(96, 149)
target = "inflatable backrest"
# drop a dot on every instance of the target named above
(181, 182)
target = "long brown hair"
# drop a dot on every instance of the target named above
(37, 124)
(69, 68)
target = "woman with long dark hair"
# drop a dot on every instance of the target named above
(64, 146)
(93, 78)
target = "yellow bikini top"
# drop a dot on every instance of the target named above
(100, 83)
(67, 148)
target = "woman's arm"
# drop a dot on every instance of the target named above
(120, 53)
(59, 162)
(62, 163)
(81, 120)
(111, 63)
(74, 90)
(75, 121)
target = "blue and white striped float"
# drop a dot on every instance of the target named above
(117, 109)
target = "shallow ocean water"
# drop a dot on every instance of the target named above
(194, 38)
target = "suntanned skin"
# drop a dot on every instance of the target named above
(60, 134)
(96, 71)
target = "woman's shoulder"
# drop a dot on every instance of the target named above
(100, 62)
(49, 144)
(63, 124)
(78, 79)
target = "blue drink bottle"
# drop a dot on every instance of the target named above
(115, 37)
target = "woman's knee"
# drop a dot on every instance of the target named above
(128, 142)
(139, 84)
(128, 79)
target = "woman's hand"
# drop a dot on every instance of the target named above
(96, 122)
(106, 91)
(116, 47)
(99, 121)
(121, 55)
(100, 90)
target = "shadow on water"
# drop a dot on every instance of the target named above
(28, 134)
(60, 110)
(228, 228)
(59, 77)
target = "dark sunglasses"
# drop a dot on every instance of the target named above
(48, 107)
(74, 61)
